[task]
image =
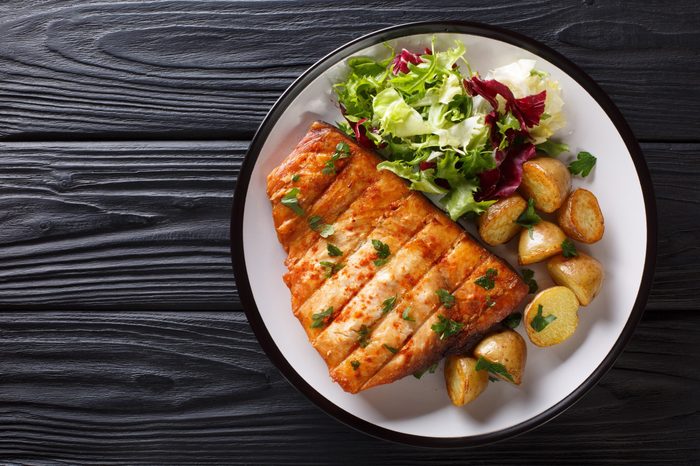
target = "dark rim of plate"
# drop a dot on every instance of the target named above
(279, 108)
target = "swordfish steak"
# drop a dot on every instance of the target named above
(383, 282)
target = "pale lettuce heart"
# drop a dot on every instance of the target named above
(394, 116)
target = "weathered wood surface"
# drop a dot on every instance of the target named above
(83, 69)
(173, 388)
(145, 225)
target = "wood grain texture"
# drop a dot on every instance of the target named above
(172, 388)
(86, 69)
(145, 225)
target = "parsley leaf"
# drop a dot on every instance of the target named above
(446, 327)
(290, 200)
(529, 278)
(295, 177)
(539, 322)
(388, 304)
(317, 225)
(342, 151)
(331, 267)
(406, 316)
(490, 302)
(495, 368)
(529, 217)
(363, 336)
(552, 148)
(355, 364)
(487, 281)
(513, 320)
(319, 318)
(568, 249)
(383, 252)
(446, 298)
(431, 369)
(333, 250)
(583, 164)
(391, 349)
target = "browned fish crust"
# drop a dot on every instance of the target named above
(371, 317)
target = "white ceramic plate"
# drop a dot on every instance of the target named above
(419, 411)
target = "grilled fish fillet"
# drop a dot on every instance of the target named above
(373, 313)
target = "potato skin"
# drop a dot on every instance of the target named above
(497, 225)
(562, 303)
(581, 218)
(582, 274)
(464, 383)
(507, 348)
(545, 242)
(547, 181)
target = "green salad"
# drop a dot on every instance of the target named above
(445, 129)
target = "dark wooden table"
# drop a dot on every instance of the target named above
(123, 125)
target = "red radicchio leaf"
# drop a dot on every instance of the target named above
(528, 110)
(427, 165)
(361, 133)
(510, 173)
(402, 60)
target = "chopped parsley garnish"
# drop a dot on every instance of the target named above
(529, 278)
(492, 379)
(383, 252)
(583, 164)
(487, 281)
(290, 200)
(295, 177)
(495, 368)
(388, 304)
(446, 298)
(317, 225)
(552, 148)
(539, 322)
(490, 302)
(529, 217)
(363, 336)
(446, 327)
(568, 249)
(406, 316)
(331, 267)
(391, 349)
(431, 369)
(355, 364)
(513, 320)
(319, 319)
(342, 151)
(333, 250)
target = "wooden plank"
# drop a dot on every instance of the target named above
(83, 69)
(175, 388)
(145, 225)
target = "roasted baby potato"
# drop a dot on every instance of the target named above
(581, 218)
(552, 316)
(542, 242)
(582, 274)
(547, 181)
(464, 383)
(497, 225)
(507, 349)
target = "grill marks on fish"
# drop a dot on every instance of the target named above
(427, 252)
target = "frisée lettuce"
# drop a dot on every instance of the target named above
(448, 133)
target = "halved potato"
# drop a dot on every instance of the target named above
(507, 349)
(497, 225)
(547, 181)
(542, 242)
(464, 383)
(552, 316)
(582, 274)
(581, 218)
